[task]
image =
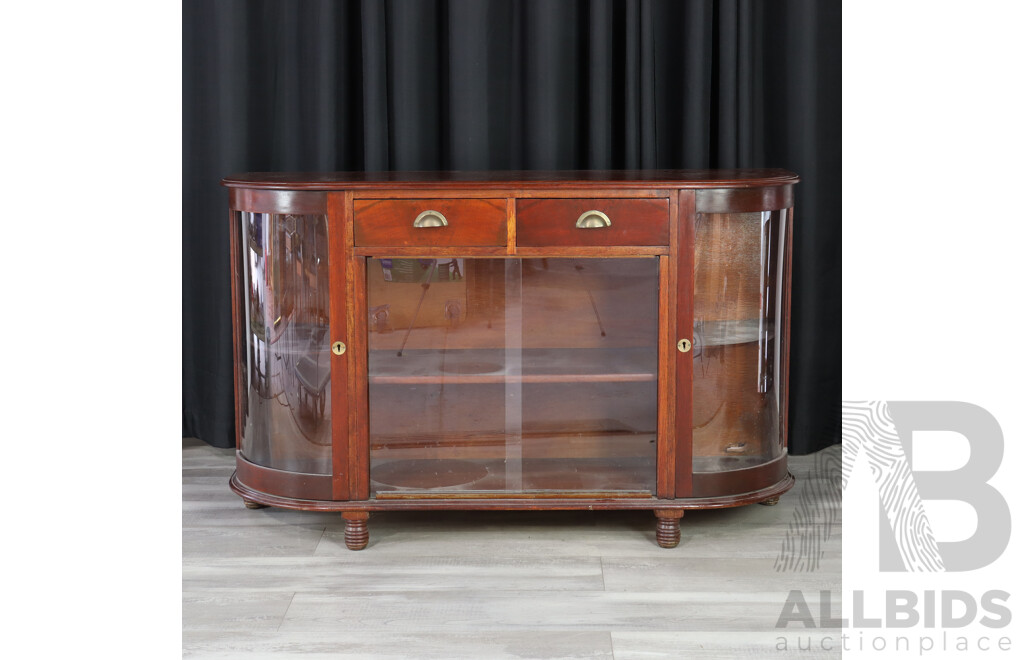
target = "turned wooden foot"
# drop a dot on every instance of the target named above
(668, 527)
(249, 504)
(771, 501)
(356, 534)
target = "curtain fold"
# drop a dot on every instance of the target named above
(506, 84)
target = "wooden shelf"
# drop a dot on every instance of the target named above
(728, 463)
(538, 475)
(537, 444)
(530, 365)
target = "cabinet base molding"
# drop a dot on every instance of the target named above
(668, 512)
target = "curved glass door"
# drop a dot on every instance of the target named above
(285, 384)
(737, 347)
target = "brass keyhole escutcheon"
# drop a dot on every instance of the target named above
(338, 347)
(684, 345)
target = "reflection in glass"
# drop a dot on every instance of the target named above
(738, 282)
(512, 375)
(286, 392)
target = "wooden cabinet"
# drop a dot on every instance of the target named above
(511, 340)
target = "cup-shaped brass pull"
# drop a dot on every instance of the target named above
(593, 220)
(430, 219)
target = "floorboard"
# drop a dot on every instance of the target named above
(271, 583)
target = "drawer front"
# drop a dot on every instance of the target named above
(430, 222)
(542, 222)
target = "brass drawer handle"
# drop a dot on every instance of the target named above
(430, 219)
(593, 220)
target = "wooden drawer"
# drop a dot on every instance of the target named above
(542, 222)
(470, 222)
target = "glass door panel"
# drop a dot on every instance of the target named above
(512, 375)
(286, 384)
(737, 309)
(590, 374)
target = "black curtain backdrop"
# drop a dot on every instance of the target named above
(479, 85)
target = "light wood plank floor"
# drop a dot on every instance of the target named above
(480, 585)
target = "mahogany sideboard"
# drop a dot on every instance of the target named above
(511, 340)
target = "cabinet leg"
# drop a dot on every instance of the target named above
(668, 527)
(771, 501)
(249, 504)
(356, 534)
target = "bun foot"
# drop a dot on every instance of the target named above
(668, 527)
(356, 534)
(249, 504)
(771, 501)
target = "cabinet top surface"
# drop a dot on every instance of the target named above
(749, 178)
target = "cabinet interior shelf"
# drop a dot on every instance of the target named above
(528, 476)
(528, 365)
